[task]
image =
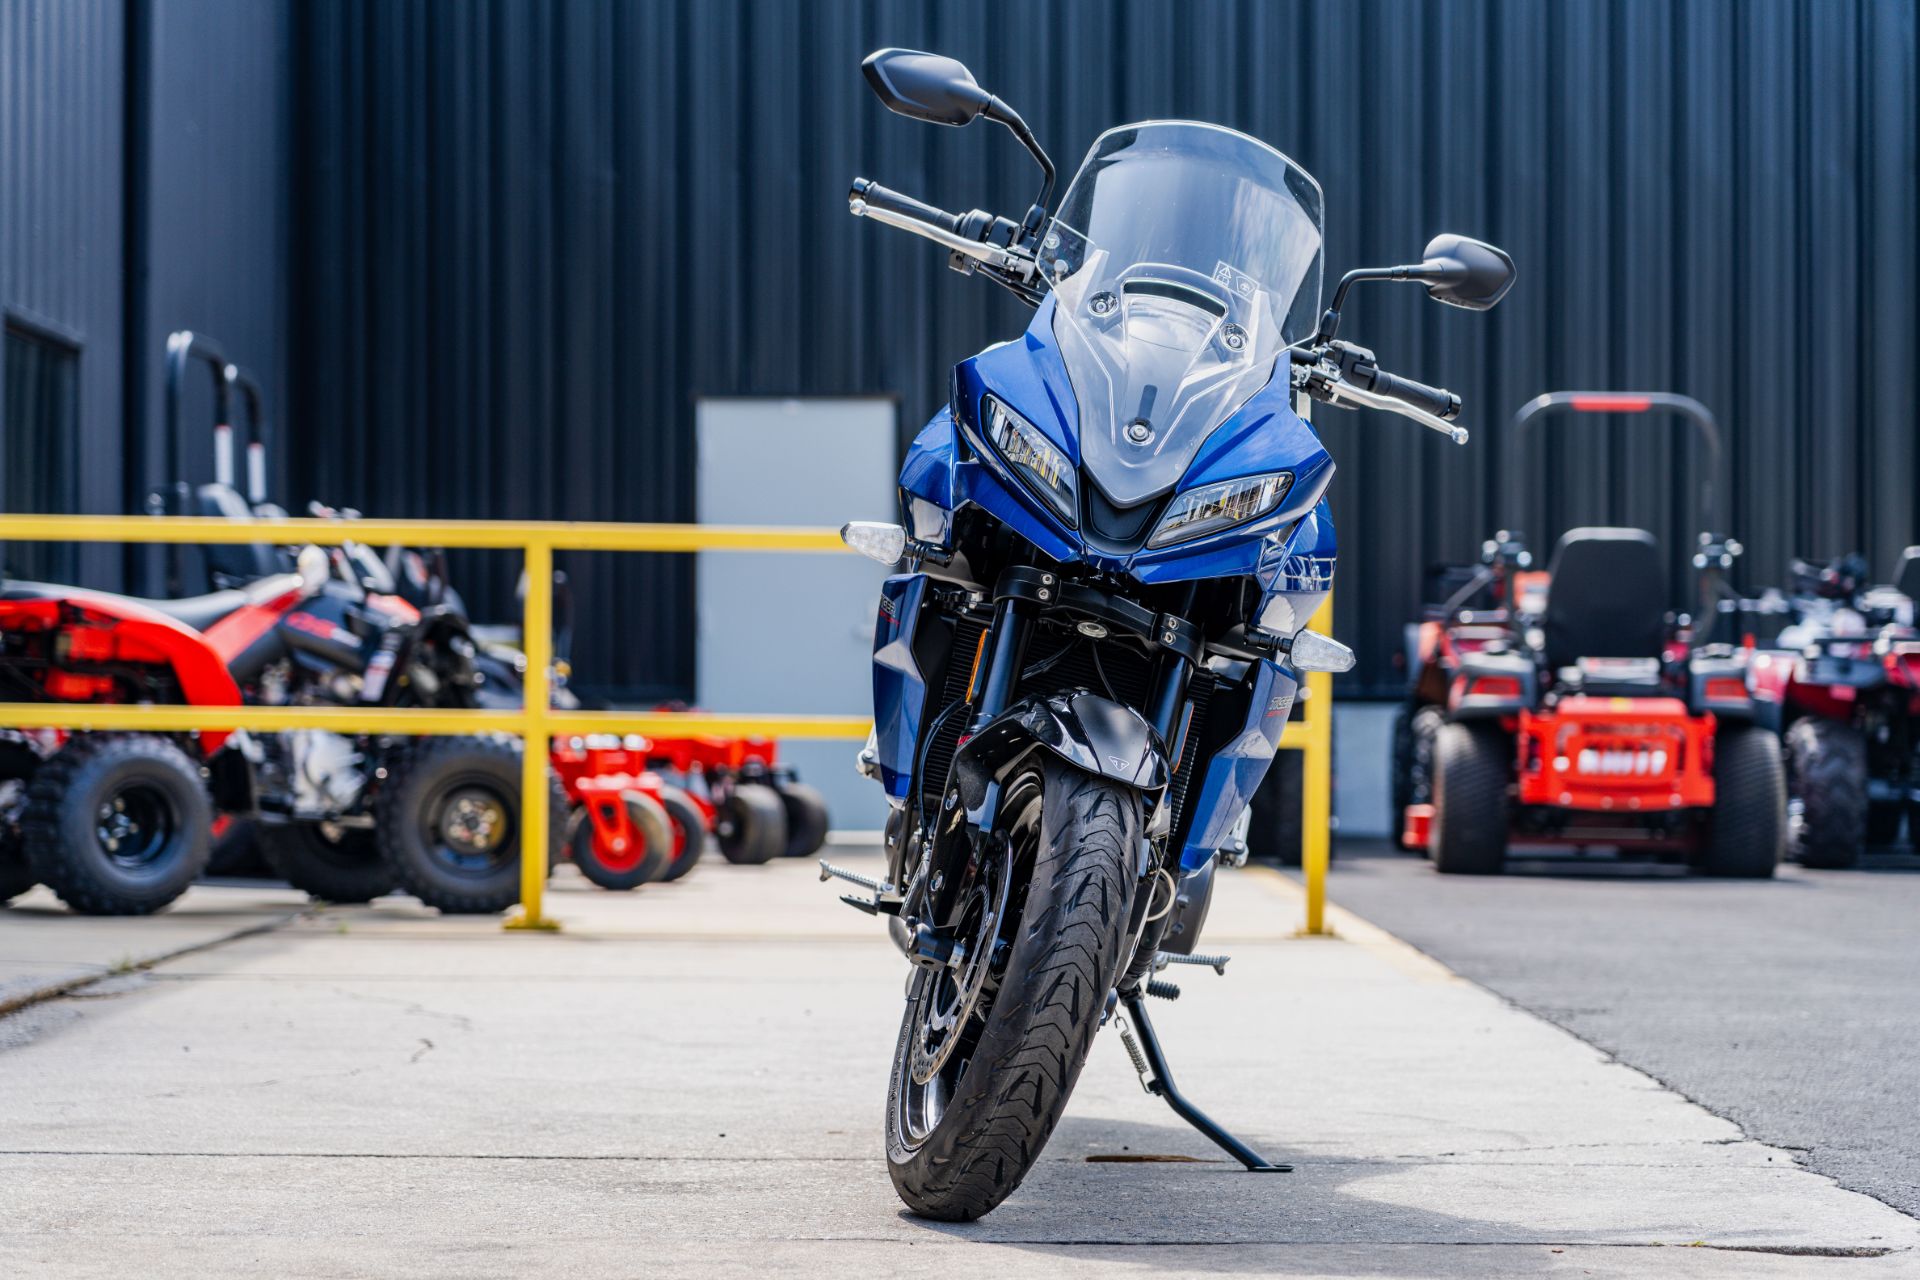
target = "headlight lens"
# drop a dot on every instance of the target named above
(1199, 512)
(1038, 461)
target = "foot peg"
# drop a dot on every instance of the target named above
(884, 900)
(1216, 963)
(1162, 990)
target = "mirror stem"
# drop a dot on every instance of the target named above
(999, 111)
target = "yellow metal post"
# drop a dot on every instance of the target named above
(1316, 817)
(537, 640)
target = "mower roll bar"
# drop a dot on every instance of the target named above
(243, 381)
(1696, 414)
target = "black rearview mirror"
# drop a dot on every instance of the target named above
(925, 86)
(1463, 272)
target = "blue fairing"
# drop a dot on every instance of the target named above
(1290, 553)
(899, 689)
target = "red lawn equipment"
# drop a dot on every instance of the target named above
(1592, 717)
(628, 824)
(761, 811)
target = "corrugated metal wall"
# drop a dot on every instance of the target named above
(60, 211)
(531, 234)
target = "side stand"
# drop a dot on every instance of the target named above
(1159, 1080)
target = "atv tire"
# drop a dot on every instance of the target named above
(1827, 790)
(1748, 829)
(632, 868)
(752, 825)
(1473, 767)
(1883, 823)
(118, 824)
(18, 763)
(344, 867)
(1032, 1039)
(689, 832)
(1414, 731)
(449, 823)
(807, 820)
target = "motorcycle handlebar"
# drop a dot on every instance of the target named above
(1438, 401)
(875, 196)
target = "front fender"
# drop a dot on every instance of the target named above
(1089, 732)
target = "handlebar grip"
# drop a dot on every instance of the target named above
(878, 197)
(1438, 401)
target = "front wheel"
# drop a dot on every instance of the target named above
(993, 1041)
(1748, 826)
(1473, 764)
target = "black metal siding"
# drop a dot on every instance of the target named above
(60, 205)
(532, 234)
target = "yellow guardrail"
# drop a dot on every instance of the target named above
(537, 721)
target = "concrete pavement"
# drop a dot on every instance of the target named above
(689, 1081)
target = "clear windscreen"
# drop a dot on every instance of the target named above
(1184, 259)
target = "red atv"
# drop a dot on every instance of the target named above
(1846, 677)
(1601, 720)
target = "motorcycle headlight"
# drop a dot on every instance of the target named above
(1037, 460)
(1211, 508)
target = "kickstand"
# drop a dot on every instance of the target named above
(1162, 1084)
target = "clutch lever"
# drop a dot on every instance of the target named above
(1327, 384)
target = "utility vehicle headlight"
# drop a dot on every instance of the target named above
(1214, 507)
(1037, 460)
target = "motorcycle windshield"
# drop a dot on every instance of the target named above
(1183, 261)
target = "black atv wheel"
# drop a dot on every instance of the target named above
(329, 863)
(623, 869)
(807, 820)
(118, 824)
(448, 822)
(1472, 770)
(1748, 829)
(1414, 728)
(989, 1050)
(18, 763)
(751, 826)
(689, 832)
(1826, 793)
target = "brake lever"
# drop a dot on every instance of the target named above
(1014, 262)
(1329, 386)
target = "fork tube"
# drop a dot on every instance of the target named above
(1006, 643)
(1169, 697)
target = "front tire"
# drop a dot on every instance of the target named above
(963, 1131)
(118, 824)
(1749, 824)
(1472, 766)
(752, 825)
(689, 831)
(342, 866)
(807, 821)
(627, 868)
(1827, 788)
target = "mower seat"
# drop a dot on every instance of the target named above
(1606, 598)
(1613, 678)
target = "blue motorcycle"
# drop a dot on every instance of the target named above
(1112, 539)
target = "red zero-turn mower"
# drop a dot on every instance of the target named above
(760, 810)
(628, 825)
(1846, 676)
(1600, 722)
